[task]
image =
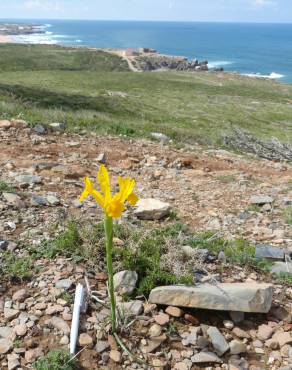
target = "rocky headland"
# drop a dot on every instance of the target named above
(15, 29)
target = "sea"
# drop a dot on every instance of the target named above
(254, 49)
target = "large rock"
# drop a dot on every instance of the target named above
(282, 268)
(269, 252)
(125, 281)
(152, 209)
(242, 297)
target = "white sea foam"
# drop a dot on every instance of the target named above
(272, 76)
(219, 63)
(39, 38)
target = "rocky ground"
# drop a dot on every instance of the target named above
(236, 196)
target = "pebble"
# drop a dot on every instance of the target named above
(237, 347)
(115, 356)
(161, 319)
(85, 340)
(20, 330)
(155, 330)
(5, 345)
(174, 311)
(20, 295)
(60, 325)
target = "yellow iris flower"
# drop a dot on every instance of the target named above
(113, 206)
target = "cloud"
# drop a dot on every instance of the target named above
(42, 5)
(263, 3)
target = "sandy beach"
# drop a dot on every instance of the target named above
(5, 39)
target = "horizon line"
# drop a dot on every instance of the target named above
(146, 20)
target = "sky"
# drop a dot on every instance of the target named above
(167, 10)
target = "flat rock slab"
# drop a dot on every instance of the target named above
(282, 268)
(242, 297)
(269, 252)
(152, 209)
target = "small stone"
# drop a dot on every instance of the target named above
(174, 311)
(64, 284)
(115, 356)
(20, 295)
(101, 158)
(27, 180)
(20, 330)
(58, 126)
(204, 357)
(5, 332)
(261, 200)
(160, 137)
(39, 129)
(10, 314)
(33, 354)
(153, 344)
(125, 281)
(218, 341)
(228, 324)
(85, 340)
(134, 308)
(240, 333)
(51, 310)
(264, 332)
(222, 258)
(181, 366)
(257, 343)
(237, 347)
(161, 319)
(101, 346)
(13, 200)
(52, 200)
(155, 330)
(5, 124)
(60, 325)
(282, 338)
(5, 345)
(152, 209)
(13, 361)
(64, 340)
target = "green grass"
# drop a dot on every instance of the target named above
(226, 178)
(284, 278)
(14, 267)
(56, 360)
(288, 215)
(153, 251)
(51, 83)
(238, 251)
(6, 188)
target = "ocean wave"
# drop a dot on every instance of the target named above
(39, 38)
(271, 76)
(219, 63)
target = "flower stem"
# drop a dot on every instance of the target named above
(108, 227)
